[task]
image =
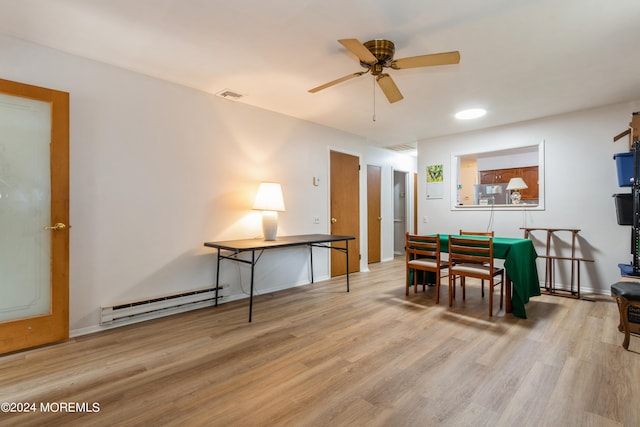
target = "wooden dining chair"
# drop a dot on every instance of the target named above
(473, 257)
(477, 233)
(423, 253)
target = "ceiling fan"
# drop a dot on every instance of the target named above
(376, 55)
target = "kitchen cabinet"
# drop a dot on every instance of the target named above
(502, 176)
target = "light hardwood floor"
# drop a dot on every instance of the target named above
(317, 356)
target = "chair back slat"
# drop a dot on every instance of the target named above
(471, 250)
(422, 246)
(476, 233)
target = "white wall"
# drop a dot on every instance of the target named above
(157, 169)
(580, 179)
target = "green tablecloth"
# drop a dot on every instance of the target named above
(519, 263)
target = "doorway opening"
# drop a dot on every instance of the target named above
(400, 209)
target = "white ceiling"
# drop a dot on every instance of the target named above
(520, 59)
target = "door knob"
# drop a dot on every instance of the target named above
(57, 227)
(333, 220)
(379, 218)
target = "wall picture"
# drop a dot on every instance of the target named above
(435, 187)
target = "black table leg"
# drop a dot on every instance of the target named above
(346, 243)
(217, 278)
(253, 263)
(311, 258)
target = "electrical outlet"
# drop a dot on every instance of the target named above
(425, 219)
(316, 220)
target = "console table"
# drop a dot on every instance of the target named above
(233, 248)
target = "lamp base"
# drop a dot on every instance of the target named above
(269, 225)
(516, 197)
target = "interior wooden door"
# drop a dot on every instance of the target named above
(345, 209)
(374, 216)
(34, 216)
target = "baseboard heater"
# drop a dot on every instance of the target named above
(157, 307)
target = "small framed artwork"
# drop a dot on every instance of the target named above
(435, 182)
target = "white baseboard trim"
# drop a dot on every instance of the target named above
(227, 298)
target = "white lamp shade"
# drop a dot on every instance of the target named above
(269, 197)
(516, 184)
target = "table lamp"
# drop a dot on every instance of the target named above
(269, 200)
(516, 184)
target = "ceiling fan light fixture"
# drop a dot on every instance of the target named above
(376, 55)
(470, 114)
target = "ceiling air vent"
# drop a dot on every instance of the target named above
(230, 94)
(403, 147)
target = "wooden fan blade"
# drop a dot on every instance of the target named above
(445, 58)
(359, 50)
(336, 81)
(389, 88)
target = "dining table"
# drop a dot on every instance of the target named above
(521, 272)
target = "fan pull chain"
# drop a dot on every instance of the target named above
(374, 98)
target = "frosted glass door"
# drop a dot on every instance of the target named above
(25, 203)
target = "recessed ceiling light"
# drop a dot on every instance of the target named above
(472, 113)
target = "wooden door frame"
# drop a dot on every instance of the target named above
(45, 329)
(415, 202)
(411, 201)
